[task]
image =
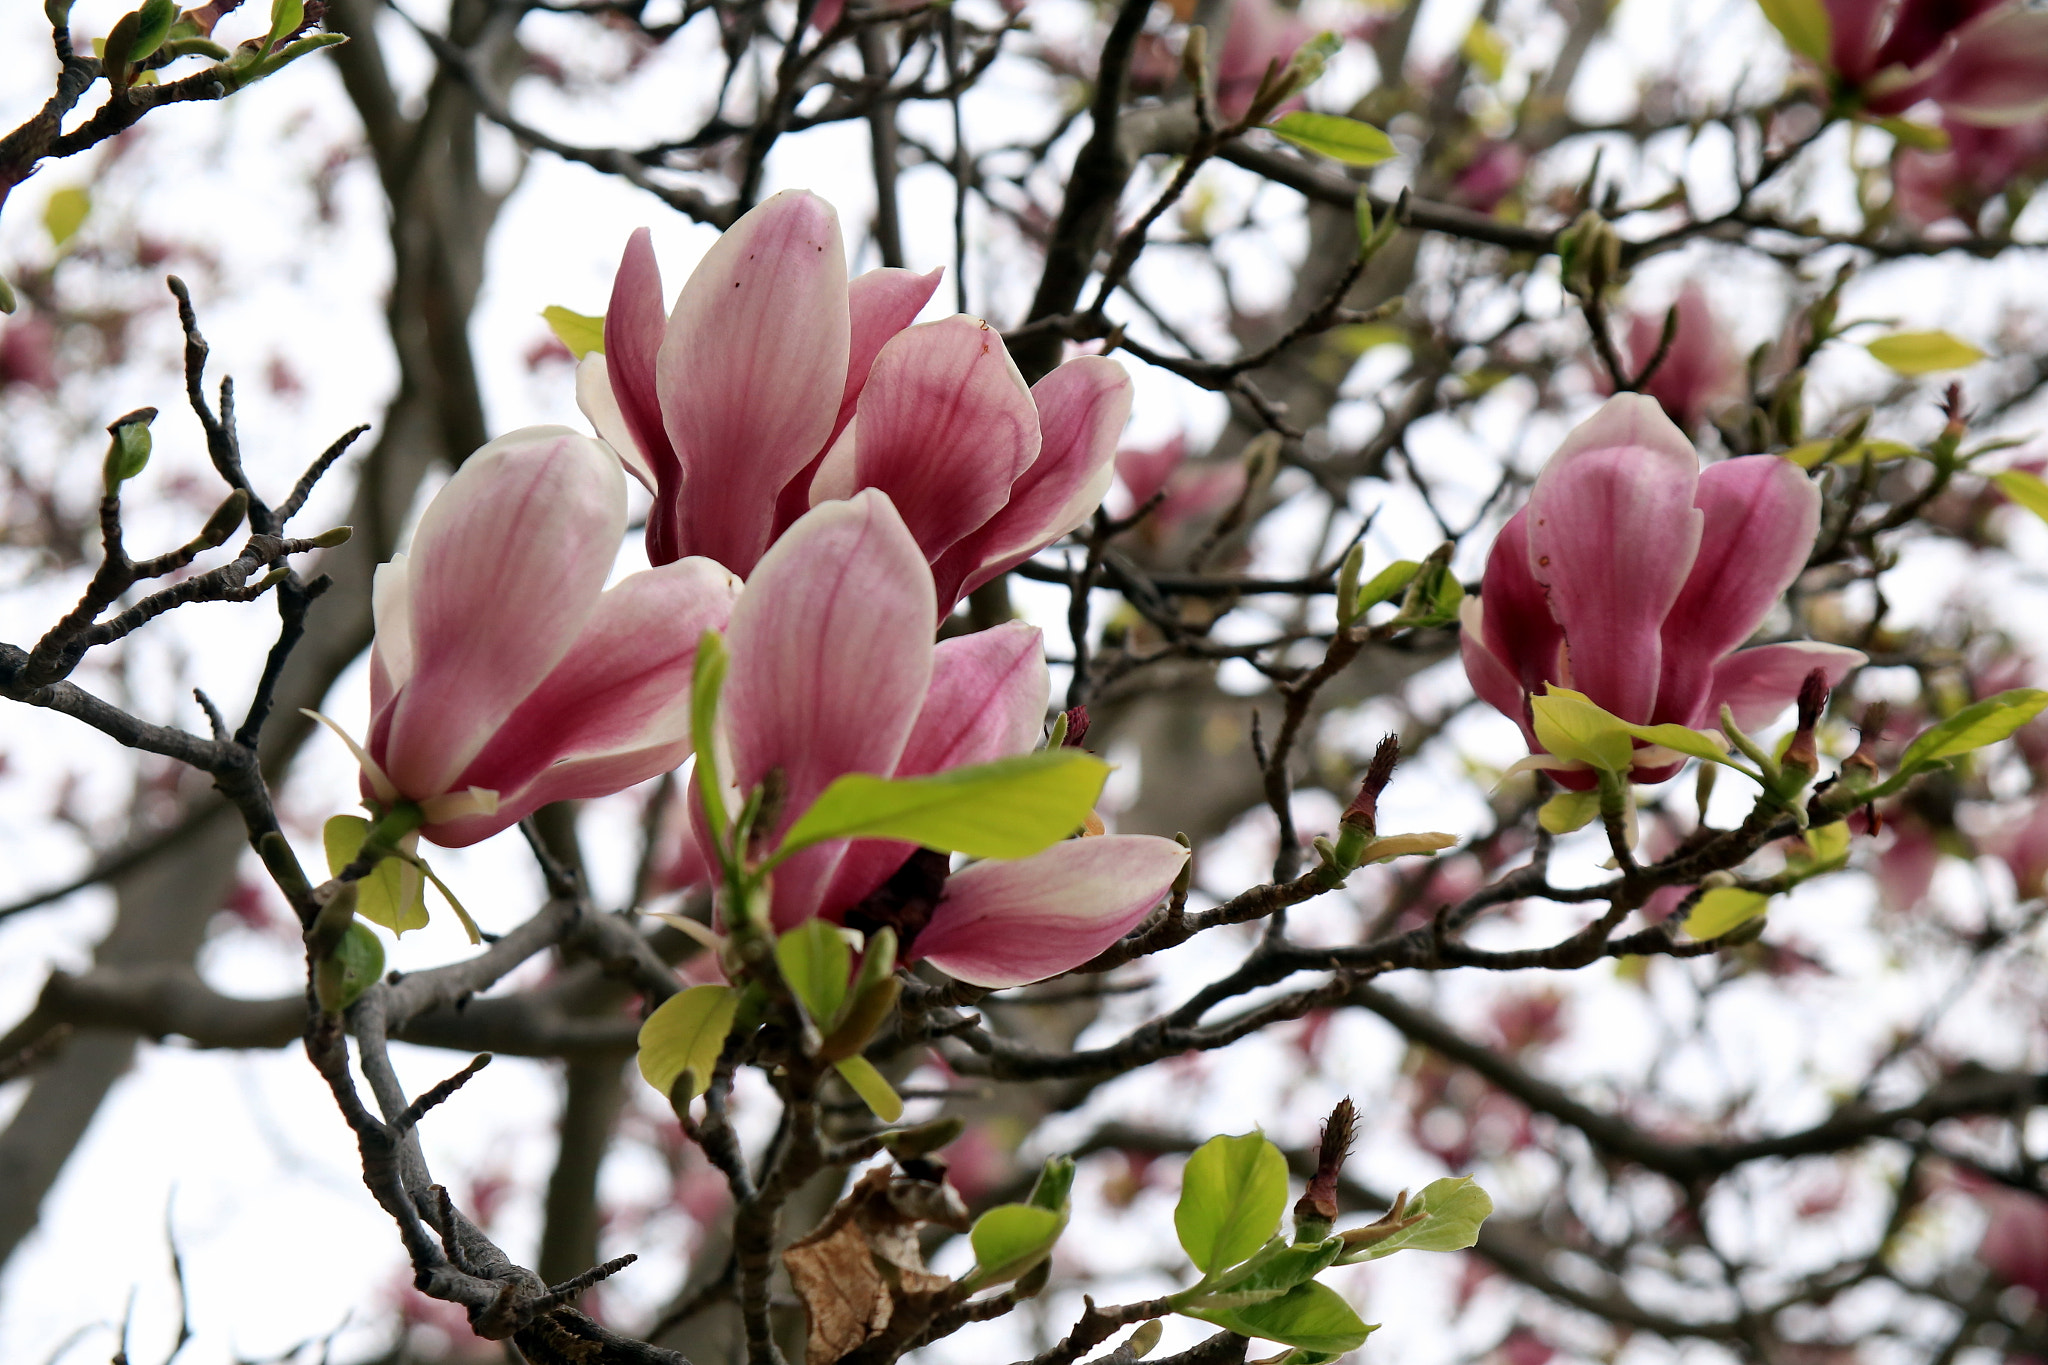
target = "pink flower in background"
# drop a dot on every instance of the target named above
(2023, 847)
(505, 675)
(2014, 1246)
(776, 384)
(1702, 370)
(1494, 172)
(28, 347)
(1193, 491)
(1260, 34)
(1976, 167)
(1632, 576)
(1983, 61)
(833, 671)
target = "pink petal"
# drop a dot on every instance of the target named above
(1612, 535)
(946, 425)
(601, 407)
(1009, 923)
(1998, 72)
(751, 370)
(633, 329)
(986, 701)
(1491, 679)
(1082, 407)
(1758, 684)
(616, 710)
(1144, 472)
(1855, 28)
(831, 656)
(882, 303)
(1516, 626)
(391, 649)
(506, 565)
(1762, 514)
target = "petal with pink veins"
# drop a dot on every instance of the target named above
(751, 370)
(1758, 684)
(1516, 625)
(508, 561)
(1491, 680)
(831, 658)
(1997, 75)
(601, 409)
(1010, 923)
(391, 647)
(634, 324)
(1612, 536)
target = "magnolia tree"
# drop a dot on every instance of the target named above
(1520, 521)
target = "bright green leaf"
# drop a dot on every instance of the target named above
(64, 212)
(1387, 583)
(686, 1034)
(2025, 489)
(1232, 1194)
(361, 955)
(1724, 908)
(1973, 727)
(1684, 740)
(1331, 135)
(707, 677)
(1569, 725)
(872, 1087)
(1913, 353)
(1568, 811)
(580, 332)
(816, 962)
(1011, 808)
(1803, 24)
(285, 18)
(1827, 845)
(394, 894)
(1923, 137)
(1268, 1277)
(1361, 211)
(1305, 68)
(1485, 49)
(1055, 1184)
(1010, 1239)
(1452, 1210)
(1312, 1316)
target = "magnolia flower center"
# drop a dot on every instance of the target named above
(906, 901)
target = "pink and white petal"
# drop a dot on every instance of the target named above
(1010, 923)
(634, 324)
(1761, 516)
(391, 648)
(986, 701)
(751, 370)
(1082, 408)
(946, 427)
(623, 688)
(831, 657)
(881, 303)
(1516, 626)
(601, 408)
(1997, 73)
(507, 563)
(1758, 684)
(1491, 680)
(573, 779)
(1612, 536)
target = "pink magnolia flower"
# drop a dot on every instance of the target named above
(1977, 165)
(1983, 61)
(1633, 576)
(776, 384)
(1703, 368)
(1260, 34)
(833, 671)
(505, 675)
(1193, 491)
(1494, 172)
(2015, 1242)
(2023, 847)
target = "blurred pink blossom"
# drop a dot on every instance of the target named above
(1983, 61)
(1702, 369)
(1977, 166)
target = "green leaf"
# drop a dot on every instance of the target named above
(1311, 1316)
(686, 1034)
(1055, 1184)
(1827, 846)
(1387, 583)
(1434, 596)
(1803, 24)
(1306, 67)
(1973, 727)
(1724, 908)
(361, 955)
(285, 18)
(1692, 743)
(872, 1087)
(1232, 1194)
(1010, 1239)
(1913, 353)
(1569, 725)
(1568, 811)
(580, 332)
(707, 677)
(394, 894)
(153, 24)
(1269, 1277)
(1485, 49)
(1361, 212)
(2025, 489)
(1334, 136)
(64, 212)
(1011, 808)
(816, 962)
(1920, 136)
(1452, 1209)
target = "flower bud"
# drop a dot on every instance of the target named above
(1077, 727)
(1317, 1209)
(1360, 821)
(1860, 767)
(1801, 757)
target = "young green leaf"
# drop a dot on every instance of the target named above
(686, 1034)
(1054, 1185)
(1913, 353)
(1452, 1209)
(1010, 1239)
(872, 1086)
(1568, 811)
(1692, 743)
(1387, 583)
(1311, 1316)
(1268, 1277)
(1925, 137)
(285, 18)
(1803, 24)
(2025, 489)
(1334, 136)
(707, 677)
(1569, 725)
(1485, 50)
(1724, 908)
(361, 957)
(1232, 1194)
(1011, 808)
(816, 962)
(394, 894)
(580, 332)
(1973, 727)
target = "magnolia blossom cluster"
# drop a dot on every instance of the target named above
(862, 473)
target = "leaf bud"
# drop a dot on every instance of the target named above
(152, 25)
(128, 451)
(1317, 1208)
(1801, 758)
(225, 518)
(1141, 1342)
(1360, 820)
(921, 1140)
(333, 536)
